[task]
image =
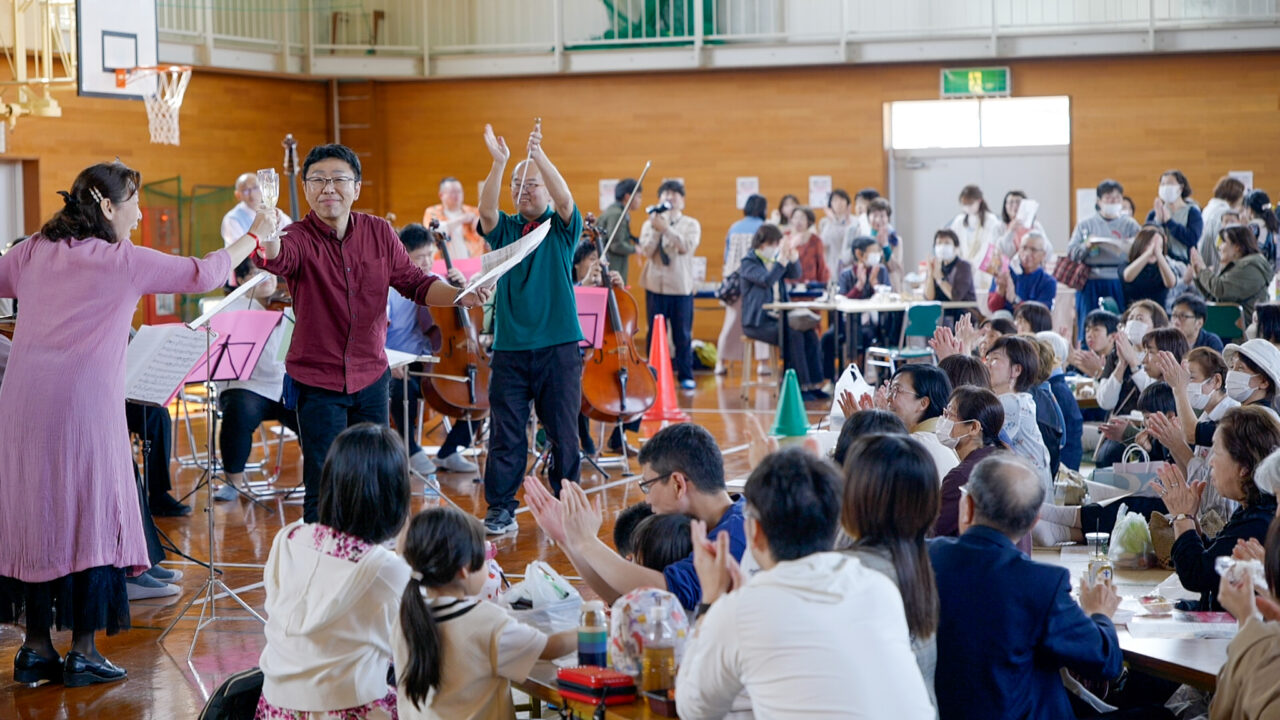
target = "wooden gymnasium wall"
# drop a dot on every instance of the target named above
(1132, 117)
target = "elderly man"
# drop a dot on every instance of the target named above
(1007, 624)
(239, 218)
(1012, 287)
(457, 220)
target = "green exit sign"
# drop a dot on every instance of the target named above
(976, 82)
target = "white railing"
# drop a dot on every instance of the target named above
(445, 30)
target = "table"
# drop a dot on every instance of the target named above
(541, 685)
(1192, 662)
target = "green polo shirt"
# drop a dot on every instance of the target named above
(534, 306)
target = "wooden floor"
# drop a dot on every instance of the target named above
(162, 684)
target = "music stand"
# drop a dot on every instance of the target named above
(213, 587)
(397, 359)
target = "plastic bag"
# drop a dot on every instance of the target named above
(549, 603)
(851, 379)
(627, 624)
(1131, 546)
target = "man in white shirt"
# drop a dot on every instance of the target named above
(239, 218)
(814, 634)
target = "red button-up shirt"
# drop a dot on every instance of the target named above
(339, 290)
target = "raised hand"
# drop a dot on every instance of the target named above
(1235, 592)
(1249, 549)
(1173, 372)
(717, 571)
(848, 403)
(1113, 429)
(1090, 362)
(1179, 495)
(945, 344)
(582, 518)
(547, 511)
(1165, 429)
(535, 139)
(966, 333)
(1124, 349)
(497, 145)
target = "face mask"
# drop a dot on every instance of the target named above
(1198, 395)
(943, 433)
(1170, 193)
(1238, 388)
(971, 209)
(1111, 210)
(873, 259)
(1142, 357)
(945, 253)
(1135, 329)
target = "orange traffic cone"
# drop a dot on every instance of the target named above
(665, 409)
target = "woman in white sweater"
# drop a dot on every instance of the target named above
(333, 590)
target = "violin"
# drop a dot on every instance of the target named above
(617, 385)
(458, 385)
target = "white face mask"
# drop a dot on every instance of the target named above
(1142, 357)
(1135, 330)
(1199, 395)
(1238, 387)
(972, 209)
(873, 259)
(945, 252)
(1110, 210)
(1170, 193)
(943, 432)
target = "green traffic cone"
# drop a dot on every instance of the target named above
(791, 420)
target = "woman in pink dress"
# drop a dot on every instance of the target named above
(71, 527)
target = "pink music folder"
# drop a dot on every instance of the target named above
(593, 303)
(241, 337)
(468, 267)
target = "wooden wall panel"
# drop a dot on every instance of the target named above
(1132, 118)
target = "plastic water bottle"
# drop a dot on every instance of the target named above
(593, 635)
(658, 664)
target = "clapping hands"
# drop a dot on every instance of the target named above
(1180, 497)
(718, 572)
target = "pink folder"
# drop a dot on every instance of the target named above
(241, 336)
(593, 303)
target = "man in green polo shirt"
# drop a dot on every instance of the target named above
(535, 354)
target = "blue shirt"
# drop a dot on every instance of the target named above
(682, 579)
(745, 226)
(1039, 286)
(1209, 340)
(403, 332)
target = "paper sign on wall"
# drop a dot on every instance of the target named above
(1244, 176)
(606, 192)
(747, 186)
(819, 190)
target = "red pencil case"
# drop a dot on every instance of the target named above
(595, 685)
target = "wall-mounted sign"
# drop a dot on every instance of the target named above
(976, 82)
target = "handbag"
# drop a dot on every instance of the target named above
(1128, 476)
(1070, 273)
(730, 290)
(236, 698)
(803, 320)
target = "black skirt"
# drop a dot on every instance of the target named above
(85, 601)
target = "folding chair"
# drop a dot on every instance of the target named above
(921, 321)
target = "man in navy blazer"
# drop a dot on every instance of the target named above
(1007, 623)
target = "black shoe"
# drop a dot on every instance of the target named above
(79, 671)
(166, 506)
(31, 669)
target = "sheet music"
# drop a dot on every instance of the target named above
(158, 360)
(396, 358)
(497, 263)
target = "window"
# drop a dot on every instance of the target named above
(986, 122)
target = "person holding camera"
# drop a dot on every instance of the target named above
(667, 242)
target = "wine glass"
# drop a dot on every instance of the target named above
(269, 186)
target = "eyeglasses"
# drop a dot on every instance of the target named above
(527, 187)
(318, 184)
(896, 389)
(647, 485)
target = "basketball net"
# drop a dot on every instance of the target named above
(164, 104)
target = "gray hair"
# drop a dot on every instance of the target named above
(1061, 349)
(1006, 493)
(1267, 475)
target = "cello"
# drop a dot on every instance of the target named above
(458, 385)
(617, 385)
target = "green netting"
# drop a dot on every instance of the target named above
(185, 224)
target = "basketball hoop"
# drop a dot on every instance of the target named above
(164, 104)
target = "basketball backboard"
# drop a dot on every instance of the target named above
(113, 34)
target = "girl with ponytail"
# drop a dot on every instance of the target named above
(456, 654)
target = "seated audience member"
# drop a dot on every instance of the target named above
(879, 212)
(1266, 323)
(1177, 213)
(1124, 377)
(737, 244)
(1221, 210)
(790, 636)
(1244, 437)
(1258, 214)
(808, 243)
(411, 330)
(1049, 417)
(247, 403)
(1247, 683)
(1033, 283)
(1105, 263)
(1014, 363)
(682, 473)
(993, 328)
(661, 540)
(1243, 277)
(459, 221)
(1072, 418)
(762, 272)
(859, 281)
(456, 653)
(1032, 317)
(588, 270)
(624, 528)
(864, 422)
(890, 503)
(965, 370)
(917, 394)
(1253, 373)
(1117, 432)
(950, 276)
(1099, 331)
(971, 424)
(1007, 624)
(320, 656)
(1188, 316)
(155, 424)
(1203, 390)
(1151, 273)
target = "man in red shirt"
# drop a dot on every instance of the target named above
(340, 266)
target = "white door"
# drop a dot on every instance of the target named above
(11, 207)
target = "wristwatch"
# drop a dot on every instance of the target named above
(1181, 516)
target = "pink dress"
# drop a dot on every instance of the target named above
(67, 491)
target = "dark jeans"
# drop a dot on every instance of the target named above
(678, 310)
(242, 412)
(322, 416)
(802, 352)
(154, 424)
(550, 378)
(461, 434)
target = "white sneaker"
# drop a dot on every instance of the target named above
(456, 463)
(145, 587)
(421, 463)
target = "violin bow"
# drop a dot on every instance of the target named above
(613, 233)
(528, 160)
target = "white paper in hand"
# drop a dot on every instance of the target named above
(494, 265)
(852, 381)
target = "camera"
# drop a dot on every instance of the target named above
(659, 208)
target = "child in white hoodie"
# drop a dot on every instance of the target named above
(333, 590)
(455, 653)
